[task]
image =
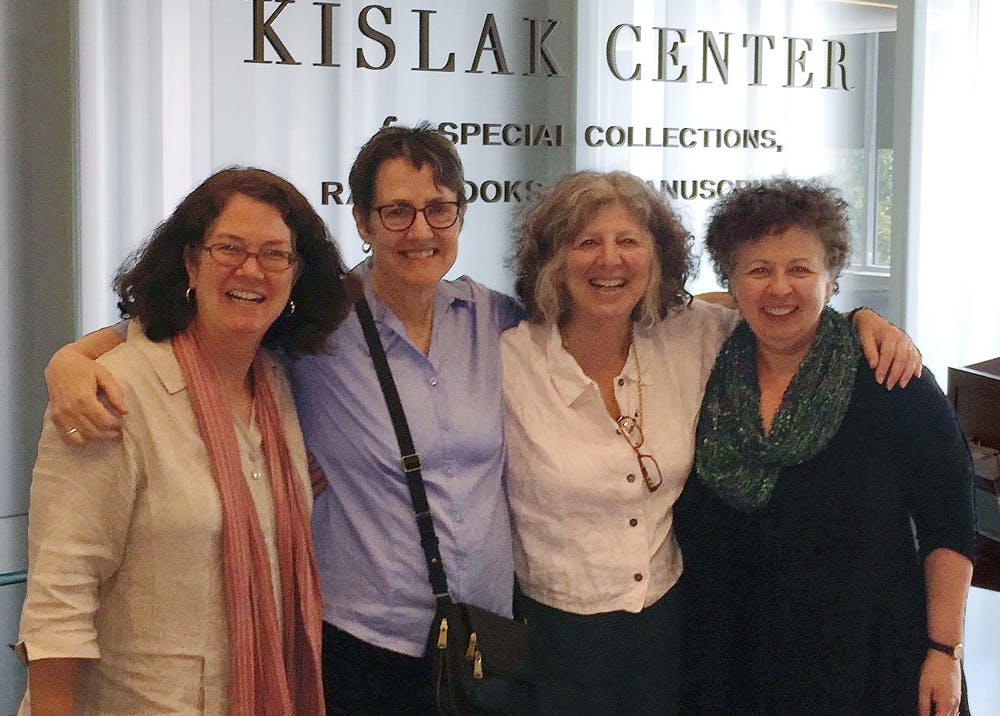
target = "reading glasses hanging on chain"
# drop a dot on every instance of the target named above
(630, 429)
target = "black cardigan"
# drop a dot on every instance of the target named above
(815, 604)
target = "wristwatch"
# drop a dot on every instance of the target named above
(954, 651)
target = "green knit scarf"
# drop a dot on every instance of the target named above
(734, 457)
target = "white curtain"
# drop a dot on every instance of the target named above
(953, 266)
(142, 131)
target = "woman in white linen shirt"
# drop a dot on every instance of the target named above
(172, 571)
(602, 387)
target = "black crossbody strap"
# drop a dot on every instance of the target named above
(410, 461)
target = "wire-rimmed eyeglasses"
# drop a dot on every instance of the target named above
(400, 217)
(629, 428)
(269, 259)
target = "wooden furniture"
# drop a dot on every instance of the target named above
(974, 392)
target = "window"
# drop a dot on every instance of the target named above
(865, 172)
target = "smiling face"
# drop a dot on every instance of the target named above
(240, 302)
(416, 258)
(781, 284)
(608, 268)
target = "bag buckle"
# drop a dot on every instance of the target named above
(410, 463)
(443, 633)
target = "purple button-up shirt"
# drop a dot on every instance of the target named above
(373, 573)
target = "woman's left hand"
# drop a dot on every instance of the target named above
(889, 351)
(940, 685)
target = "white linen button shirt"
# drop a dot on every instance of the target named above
(589, 537)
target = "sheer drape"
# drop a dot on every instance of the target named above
(142, 134)
(953, 308)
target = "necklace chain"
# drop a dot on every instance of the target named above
(630, 427)
(630, 422)
(638, 372)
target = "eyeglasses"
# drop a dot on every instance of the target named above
(269, 259)
(400, 217)
(629, 428)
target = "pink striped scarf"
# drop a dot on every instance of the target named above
(271, 674)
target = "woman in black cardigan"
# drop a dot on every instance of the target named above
(828, 529)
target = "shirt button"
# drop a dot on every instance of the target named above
(621, 382)
(633, 522)
(433, 381)
(630, 477)
(637, 577)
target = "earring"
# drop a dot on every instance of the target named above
(290, 308)
(366, 247)
(189, 296)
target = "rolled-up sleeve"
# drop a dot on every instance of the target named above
(78, 521)
(938, 477)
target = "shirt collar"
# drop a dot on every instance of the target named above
(566, 374)
(568, 377)
(449, 293)
(160, 356)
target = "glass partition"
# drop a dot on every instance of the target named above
(693, 97)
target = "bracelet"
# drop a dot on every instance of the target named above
(956, 652)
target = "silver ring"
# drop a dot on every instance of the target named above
(71, 432)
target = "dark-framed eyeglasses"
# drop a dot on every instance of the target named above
(437, 214)
(630, 429)
(269, 259)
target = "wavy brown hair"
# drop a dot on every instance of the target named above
(547, 227)
(151, 283)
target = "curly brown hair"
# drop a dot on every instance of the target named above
(548, 226)
(151, 283)
(772, 206)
